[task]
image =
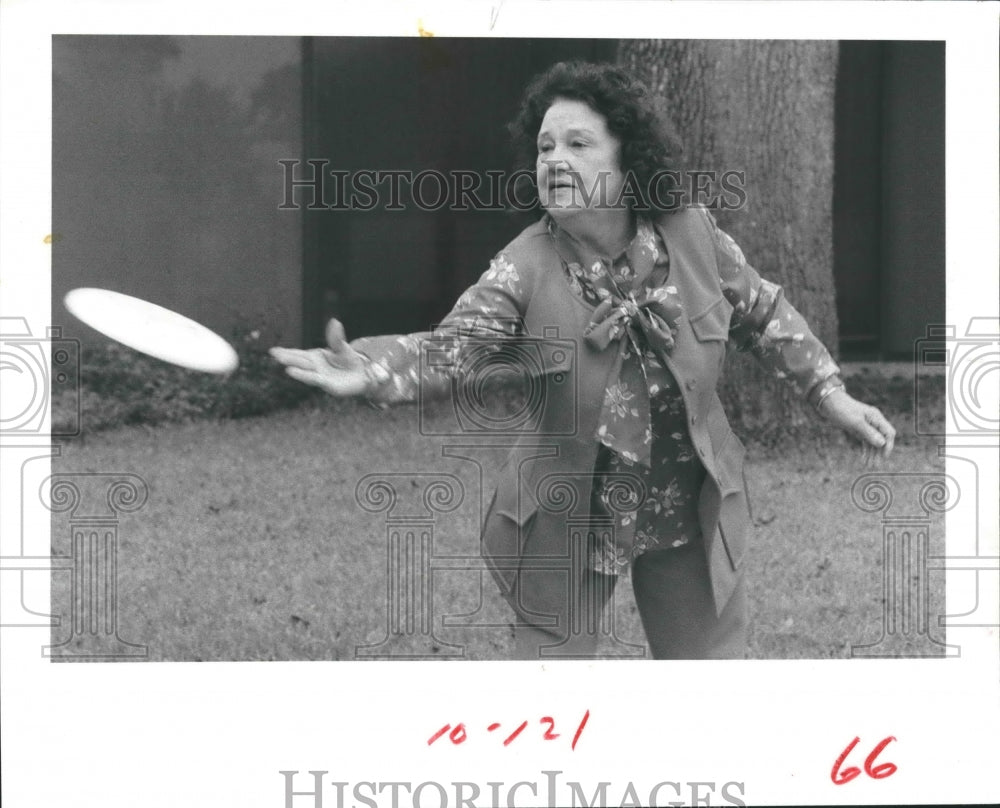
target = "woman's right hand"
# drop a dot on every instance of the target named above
(338, 369)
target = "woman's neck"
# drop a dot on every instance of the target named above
(607, 232)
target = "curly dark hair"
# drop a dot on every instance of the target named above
(650, 148)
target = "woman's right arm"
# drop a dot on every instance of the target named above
(389, 370)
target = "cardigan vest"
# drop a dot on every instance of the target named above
(535, 531)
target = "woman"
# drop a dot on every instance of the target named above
(650, 299)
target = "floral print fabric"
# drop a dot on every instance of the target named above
(642, 429)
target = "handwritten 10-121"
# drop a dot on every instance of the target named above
(458, 734)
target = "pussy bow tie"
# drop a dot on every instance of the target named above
(653, 314)
(646, 321)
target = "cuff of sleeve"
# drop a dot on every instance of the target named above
(376, 378)
(823, 390)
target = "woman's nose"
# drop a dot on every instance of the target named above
(557, 158)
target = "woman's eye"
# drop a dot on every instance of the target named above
(544, 148)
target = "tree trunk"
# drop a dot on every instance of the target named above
(765, 108)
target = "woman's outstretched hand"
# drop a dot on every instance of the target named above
(861, 421)
(338, 369)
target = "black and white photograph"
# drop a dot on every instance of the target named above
(571, 352)
(304, 192)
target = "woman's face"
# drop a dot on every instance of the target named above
(579, 160)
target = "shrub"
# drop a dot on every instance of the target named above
(120, 386)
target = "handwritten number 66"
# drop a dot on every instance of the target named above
(841, 776)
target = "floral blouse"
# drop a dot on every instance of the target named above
(642, 429)
(671, 473)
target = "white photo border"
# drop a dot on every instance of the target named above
(219, 733)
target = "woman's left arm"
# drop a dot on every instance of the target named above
(769, 327)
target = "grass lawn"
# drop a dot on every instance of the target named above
(252, 545)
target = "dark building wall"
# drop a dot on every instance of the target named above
(166, 183)
(412, 103)
(913, 177)
(857, 197)
(889, 212)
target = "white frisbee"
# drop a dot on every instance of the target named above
(153, 330)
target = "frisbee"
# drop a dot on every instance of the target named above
(152, 329)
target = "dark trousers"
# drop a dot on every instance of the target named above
(673, 593)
